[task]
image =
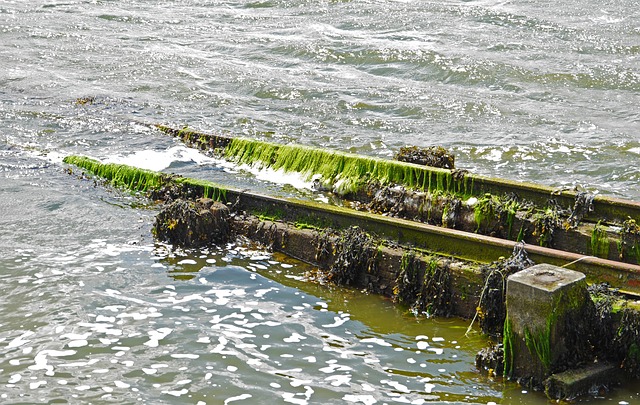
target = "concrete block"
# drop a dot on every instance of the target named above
(544, 305)
(571, 384)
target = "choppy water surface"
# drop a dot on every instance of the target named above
(93, 311)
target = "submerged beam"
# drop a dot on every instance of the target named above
(434, 239)
(352, 171)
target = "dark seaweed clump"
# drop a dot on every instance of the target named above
(355, 255)
(434, 156)
(491, 308)
(193, 223)
(491, 360)
(424, 288)
(627, 342)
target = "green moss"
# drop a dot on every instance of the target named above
(302, 225)
(269, 214)
(511, 208)
(629, 242)
(545, 224)
(348, 173)
(539, 344)
(120, 175)
(507, 344)
(599, 241)
(521, 233)
(311, 222)
(492, 209)
(136, 179)
(485, 210)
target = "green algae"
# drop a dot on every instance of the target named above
(545, 224)
(120, 175)
(508, 340)
(311, 222)
(599, 241)
(629, 242)
(136, 179)
(346, 173)
(485, 210)
(539, 344)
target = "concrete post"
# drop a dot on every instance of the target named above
(548, 308)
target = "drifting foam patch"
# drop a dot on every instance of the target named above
(160, 160)
(237, 398)
(41, 359)
(339, 320)
(155, 336)
(396, 386)
(378, 341)
(278, 176)
(20, 340)
(112, 250)
(364, 399)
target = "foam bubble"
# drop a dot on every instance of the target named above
(159, 160)
(294, 338)
(237, 398)
(185, 356)
(365, 399)
(377, 341)
(176, 393)
(121, 384)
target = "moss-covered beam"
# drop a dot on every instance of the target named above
(136, 179)
(349, 172)
(450, 242)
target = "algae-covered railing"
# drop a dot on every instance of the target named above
(349, 173)
(438, 240)
(136, 179)
(343, 172)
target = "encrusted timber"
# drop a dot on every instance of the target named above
(196, 139)
(606, 209)
(421, 207)
(442, 241)
(579, 240)
(304, 244)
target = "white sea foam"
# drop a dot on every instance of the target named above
(237, 398)
(158, 160)
(365, 399)
(377, 341)
(20, 340)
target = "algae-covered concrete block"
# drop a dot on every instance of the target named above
(573, 383)
(547, 309)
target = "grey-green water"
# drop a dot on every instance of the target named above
(93, 311)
